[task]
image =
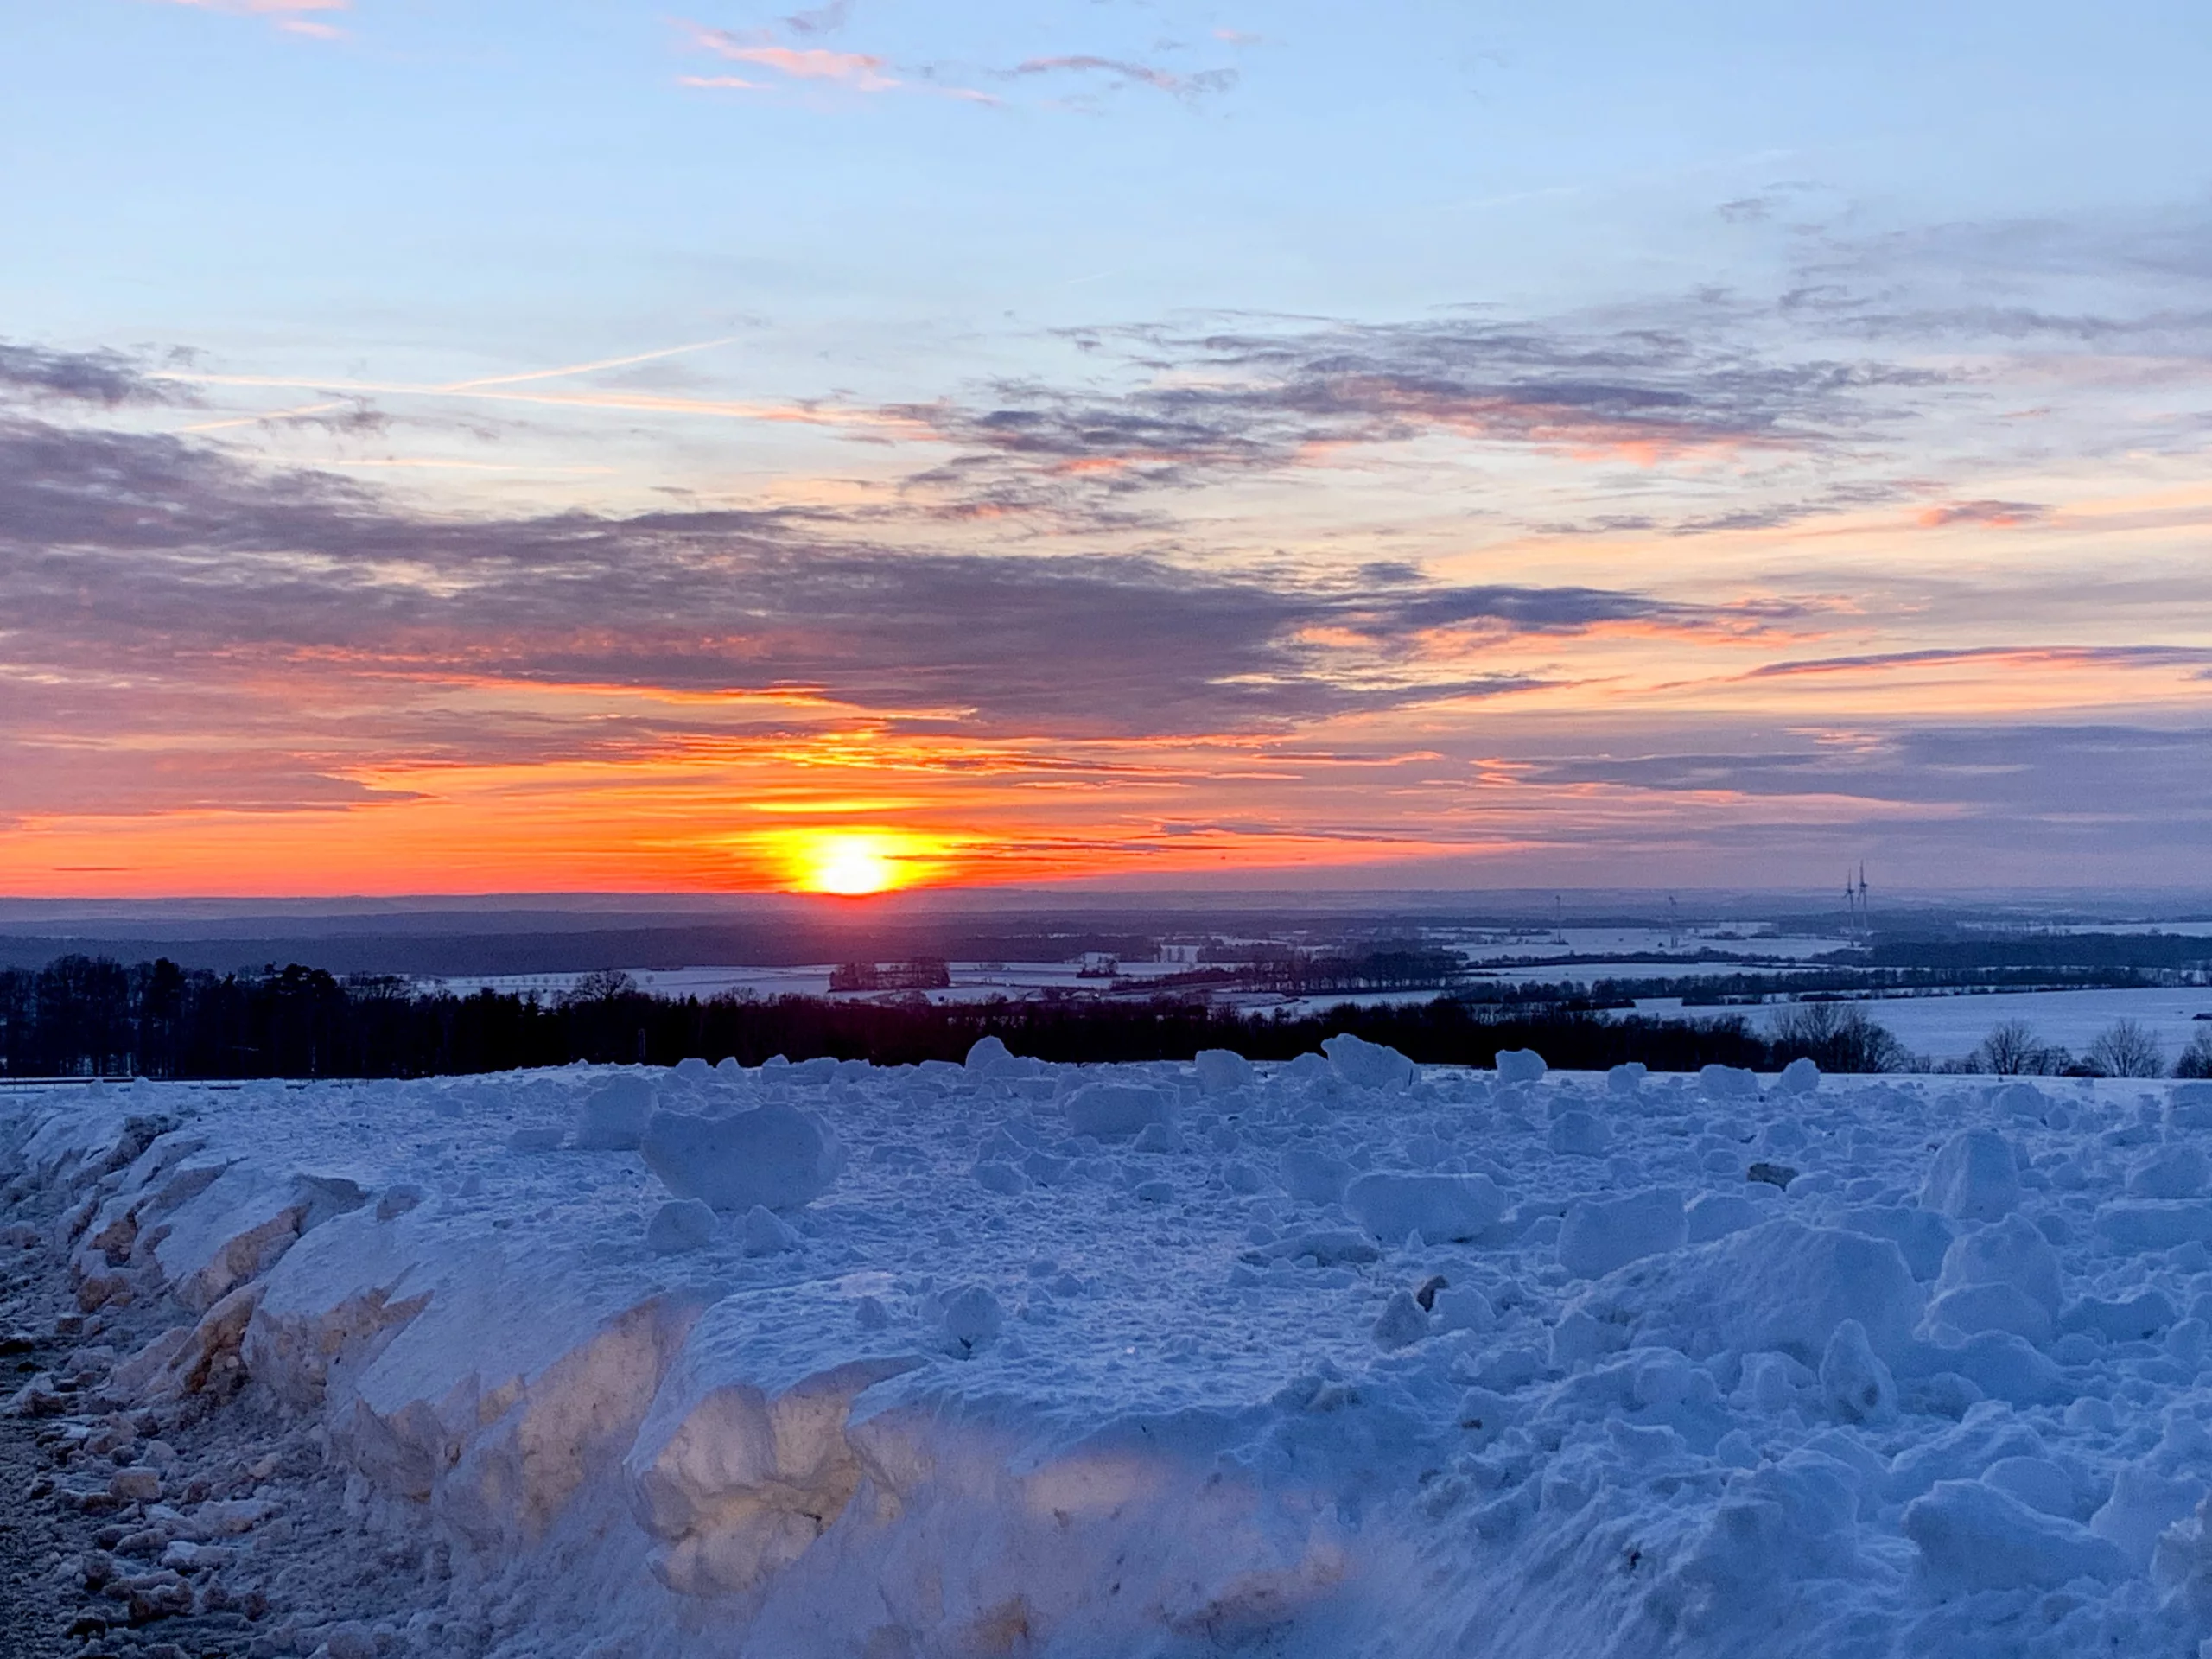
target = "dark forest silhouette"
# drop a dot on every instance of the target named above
(91, 1016)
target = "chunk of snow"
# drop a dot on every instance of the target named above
(1626, 1078)
(763, 1232)
(1112, 1110)
(2155, 1223)
(1221, 1070)
(2014, 1252)
(2001, 1364)
(1463, 1307)
(234, 1229)
(569, 1363)
(2138, 1318)
(2189, 1106)
(1858, 1387)
(1771, 1381)
(2143, 1503)
(679, 1225)
(1368, 1065)
(1402, 1322)
(1444, 1207)
(1158, 1137)
(614, 1115)
(1973, 1178)
(1972, 1308)
(1579, 1337)
(1800, 1077)
(1578, 1135)
(743, 1461)
(2037, 1482)
(1601, 1234)
(1728, 1082)
(778, 1156)
(1977, 1537)
(986, 1051)
(1517, 1066)
(2175, 1171)
(972, 1316)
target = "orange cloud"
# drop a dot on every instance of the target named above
(1996, 515)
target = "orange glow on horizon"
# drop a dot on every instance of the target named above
(854, 863)
(660, 790)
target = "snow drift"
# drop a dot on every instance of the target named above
(1342, 1358)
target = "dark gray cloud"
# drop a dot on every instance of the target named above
(1212, 403)
(2056, 656)
(2040, 768)
(126, 553)
(820, 20)
(1927, 352)
(107, 378)
(1123, 71)
(2120, 279)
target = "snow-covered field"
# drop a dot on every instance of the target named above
(1948, 1028)
(975, 981)
(1334, 1358)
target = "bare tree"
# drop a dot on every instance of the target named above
(2196, 1060)
(1837, 1036)
(2126, 1049)
(2013, 1049)
(600, 985)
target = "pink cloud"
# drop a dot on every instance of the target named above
(284, 14)
(858, 70)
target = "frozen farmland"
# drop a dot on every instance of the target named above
(1334, 1358)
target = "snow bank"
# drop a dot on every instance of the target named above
(1325, 1359)
(1782, 1285)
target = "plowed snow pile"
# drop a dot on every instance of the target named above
(1332, 1358)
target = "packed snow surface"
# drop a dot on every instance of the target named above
(1338, 1358)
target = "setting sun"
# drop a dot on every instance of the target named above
(851, 862)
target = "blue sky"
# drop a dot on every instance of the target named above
(1568, 401)
(490, 183)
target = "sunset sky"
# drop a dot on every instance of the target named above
(478, 448)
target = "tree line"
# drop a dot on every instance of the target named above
(92, 1016)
